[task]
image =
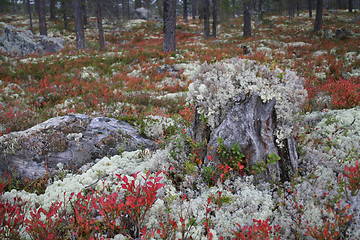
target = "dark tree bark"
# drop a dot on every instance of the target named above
(64, 9)
(126, 9)
(14, 6)
(200, 8)
(160, 4)
(233, 8)
(350, 5)
(42, 17)
(310, 8)
(79, 25)
(291, 9)
(206, 18)
(298, 7)
(169, 26)
(53, 9)
(185, 10)
(247, 21)
(99, 24)
(194, 9)
(147, 4)
(338, 4)
(318, 17)
(137, 4)
(215, 20)
(83, 4)
(260, 9)
(28, 9)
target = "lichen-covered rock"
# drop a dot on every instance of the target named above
(252, 105)
(71, 140)
(141, 13)
(23, 42)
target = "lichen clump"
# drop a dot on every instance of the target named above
(216, 85)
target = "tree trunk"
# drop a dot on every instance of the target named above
(42, 17)
(193, 9)
(137, 4)
(126, 9)
(206, 18)
(160, 4)
(185, 15)
(215, 20)
(350, 5)
(318, 17)
(338, 4)
(298, 7)
(13, 6)
(52, 9)
(28, 8)
(247, 21)
(310, 8)
(83, 12)
(79, 25)
(99, 24)
(64, 12)
(169, 26)
(147, 4)
(291, 9)
(261, 3)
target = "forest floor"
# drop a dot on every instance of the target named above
(127, 82)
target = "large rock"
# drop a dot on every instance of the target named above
(23, 42)
(71, 140)
(141, 13)
(250, 123)
(252, 106)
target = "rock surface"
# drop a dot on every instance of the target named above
(250, 123)
(141, 13)
(23, 42)
(72, 140)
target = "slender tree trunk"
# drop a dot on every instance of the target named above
(99, 24)
(185, 15)
(42, 17)
(215, 18)
(233, 8)
(169, 26)
(350, 5)
(298, 8)
(28, 8)
(318, 17)
(338, 4)
(137, 4)
(310, 8)
(193, 9)
(147, 4)
(247, 21)
(160, 4)
(126, 9)
(79, 25)
(206, 18)
(200, 8)
(52, 9)
(83, 4)
(261, 13)
(64, 12)
(13, 7)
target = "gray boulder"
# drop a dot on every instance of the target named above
(23, 42)
(141, 13)
(72, 140)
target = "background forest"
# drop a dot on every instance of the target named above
(148, 73)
